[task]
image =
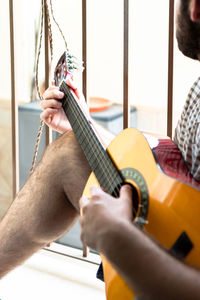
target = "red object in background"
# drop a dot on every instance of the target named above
(99, 104)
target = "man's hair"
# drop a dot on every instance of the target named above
(187, 32)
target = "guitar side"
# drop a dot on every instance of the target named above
(167, 207)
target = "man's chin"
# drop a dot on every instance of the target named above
(187, 51)
(188, 43)
(187, 32)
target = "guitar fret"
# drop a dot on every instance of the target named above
(90, 155)
(84, 144)
(113, 179)
(97, 168)
(80, 136)
(83, 141)
(96, 159)
(75, 126)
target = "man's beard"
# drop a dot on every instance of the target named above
(187, 32)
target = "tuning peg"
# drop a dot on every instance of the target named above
(73, 62)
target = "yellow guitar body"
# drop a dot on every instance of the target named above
(167, 207)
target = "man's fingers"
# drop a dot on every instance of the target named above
(51, 103)
(53, 93)
(82, 204)
(83, 201)
(74, 86)
(126, 192)
(46, 115)
(95, 189)
(126, 197)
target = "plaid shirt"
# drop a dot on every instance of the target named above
(187, 132)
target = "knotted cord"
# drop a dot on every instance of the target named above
(38, 89)
(44, 6)
(52, 14)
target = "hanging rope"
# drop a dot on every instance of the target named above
(50, 36)
(52, 13)
(44, 9)
(37, 88)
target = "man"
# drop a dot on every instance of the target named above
(187, 133)
(48, 205)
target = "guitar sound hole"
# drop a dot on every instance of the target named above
(135, 201)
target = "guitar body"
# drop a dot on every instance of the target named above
(168, 209)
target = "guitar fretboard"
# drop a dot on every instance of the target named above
(107, 174)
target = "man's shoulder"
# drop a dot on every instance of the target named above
(191, 112)
(187, 132)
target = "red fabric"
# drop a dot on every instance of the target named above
(171, 162)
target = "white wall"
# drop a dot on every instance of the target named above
(148, 50)
(4, 50)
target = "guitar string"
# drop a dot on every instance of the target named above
(84, 133)
(95, 164)
(97, 161)
(99, 147)
(77, 120)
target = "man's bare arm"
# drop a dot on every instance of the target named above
(148, 269)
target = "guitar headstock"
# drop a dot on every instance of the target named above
(67, 64)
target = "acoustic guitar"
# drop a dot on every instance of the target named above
(166, 197)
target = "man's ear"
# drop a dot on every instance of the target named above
(195, 10)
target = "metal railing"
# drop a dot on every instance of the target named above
(126, 102)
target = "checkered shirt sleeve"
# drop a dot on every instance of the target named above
(187, 132)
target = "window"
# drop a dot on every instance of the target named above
(148, 70)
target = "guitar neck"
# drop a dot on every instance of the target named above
(107, 174)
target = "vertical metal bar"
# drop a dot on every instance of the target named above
(170, 69)
(126, 105)
(84, 82)
(84, 46)
(48, 132)
(14, 109)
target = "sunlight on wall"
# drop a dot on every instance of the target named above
(105, 46)
(148, 52)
